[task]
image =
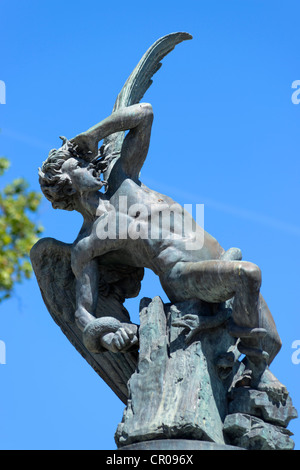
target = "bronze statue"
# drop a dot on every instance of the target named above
(105, 263)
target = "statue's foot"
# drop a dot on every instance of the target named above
(272, 386)
(259, 377)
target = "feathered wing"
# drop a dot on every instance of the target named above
(137, 84)
(141, 78)
(51, 261)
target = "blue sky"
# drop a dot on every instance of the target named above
(225, 134)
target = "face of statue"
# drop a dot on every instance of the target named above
(83, 175)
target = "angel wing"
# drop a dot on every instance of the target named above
(51, 261)
(135, 87)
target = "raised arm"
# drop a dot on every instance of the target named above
(138, 119)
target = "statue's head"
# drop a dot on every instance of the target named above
(65, 175)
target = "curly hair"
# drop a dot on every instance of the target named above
(56, 185)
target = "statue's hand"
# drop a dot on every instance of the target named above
(87, 148)
(109, 333)
(189, 322)
(123, 339)
(196, 323)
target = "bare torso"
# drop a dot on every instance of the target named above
(126, 226)
(144, 228)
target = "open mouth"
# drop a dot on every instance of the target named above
(96, 174)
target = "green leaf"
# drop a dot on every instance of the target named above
(18, 233)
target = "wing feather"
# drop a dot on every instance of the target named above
(51, 261)
(139, 81)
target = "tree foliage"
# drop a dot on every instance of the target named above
(18, 232)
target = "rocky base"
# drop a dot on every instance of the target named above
(179, 444)
(252, 433)
(258, 420)
(185, 387)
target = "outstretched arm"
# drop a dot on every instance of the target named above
(137, 118)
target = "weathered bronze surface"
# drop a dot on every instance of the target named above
(183, 362)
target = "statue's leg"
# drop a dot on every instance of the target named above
(215, 281)
(271, 342)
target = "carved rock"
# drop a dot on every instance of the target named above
(260, 404)
(253, 433)
(180, 387)
(177, 391)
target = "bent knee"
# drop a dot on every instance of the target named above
(147, 109)
(250, 272)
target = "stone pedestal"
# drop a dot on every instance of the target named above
(182, 392)
(178, 390)
(258, 420)
(178, 445)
